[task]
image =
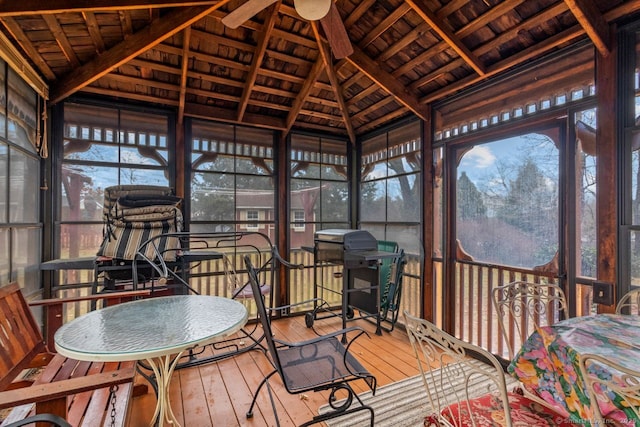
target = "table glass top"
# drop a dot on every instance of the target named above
(150, 327)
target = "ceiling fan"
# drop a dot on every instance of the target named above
(324, 11)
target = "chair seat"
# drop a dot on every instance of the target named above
(317, 364)
(488, 411)
(246, 292)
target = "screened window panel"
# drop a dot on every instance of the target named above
(91, 151)
(89, 234)
(373, 197)
(507, 201)
(140, 176)
(4, 176)
(635, 258)
(144, 156)
(22, 113)
(333, 196)
(403, 204)
(5, 266)
(3, 100)
(586, 238)
(24, 188)
(212, 197)
(26, 249)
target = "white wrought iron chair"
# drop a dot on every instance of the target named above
(466, 385)
(607, 381)
(523, 306)
(629, 303)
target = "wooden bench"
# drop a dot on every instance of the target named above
(80, 392)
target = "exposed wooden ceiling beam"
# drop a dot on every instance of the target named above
(62, 40)
(22, 39)
(303, 93)
(125, 22)
(186, 40)
(207, 112)
(387, 82)
(94, 31)
(325, 53)
(39, 7)
(256, 61)
(131, 47)
(590, 18)
(384, 25)
(535, 51)
(447, 35)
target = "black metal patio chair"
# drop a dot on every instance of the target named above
(318, 364)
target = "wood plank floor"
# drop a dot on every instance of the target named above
(219, 394)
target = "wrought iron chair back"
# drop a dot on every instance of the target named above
(523, 306)
(606, 382)
(321, 363)
(466, 385)
(629, 303)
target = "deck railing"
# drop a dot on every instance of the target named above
(208, 278)
(475, 317)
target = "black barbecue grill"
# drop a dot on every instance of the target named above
(357, 252)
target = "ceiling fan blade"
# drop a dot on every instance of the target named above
(336, 33)
(245, 12)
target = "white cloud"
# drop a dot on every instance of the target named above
(480, 156)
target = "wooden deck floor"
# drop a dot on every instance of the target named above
(219, 394)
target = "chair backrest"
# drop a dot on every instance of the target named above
(523, 306)
(385, 266)
(20, 336)
(263, 316)
(452, 373)
(629, 303)
(606, 380)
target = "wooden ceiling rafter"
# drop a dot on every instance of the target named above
(258, 56)
(534, 51)
(125, 22)
(593, 23)
(468, 29)
(304, 92)
(490, 45)
(207, 112)
(362, 114)
(23, 40)
(447, 35)
(132, 96)
(326, 55)
(384, 25)
(184, 71)
(372, 124)
(61, 39)
(94, 31)
(387, 82)
(39, 7)
(129, 48)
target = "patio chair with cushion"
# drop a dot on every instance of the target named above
(613, 389)
(318, 364)
(629, 303)
(466, 385)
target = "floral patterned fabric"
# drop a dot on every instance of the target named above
(549, 363)
(488, 411)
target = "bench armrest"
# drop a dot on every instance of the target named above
(59, 389)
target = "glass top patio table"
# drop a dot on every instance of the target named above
(548, 364)
(159, 330)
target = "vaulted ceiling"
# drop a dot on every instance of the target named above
(277, 69)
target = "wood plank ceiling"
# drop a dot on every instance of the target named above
(276, 70)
